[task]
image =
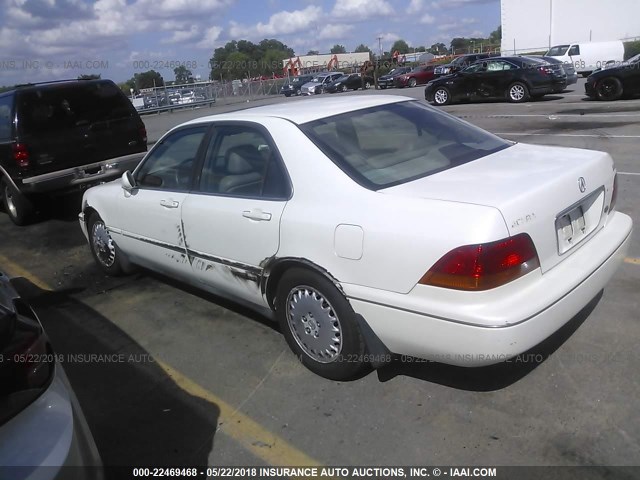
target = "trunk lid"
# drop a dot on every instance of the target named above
(556, 195)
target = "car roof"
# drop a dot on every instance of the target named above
(315, 109)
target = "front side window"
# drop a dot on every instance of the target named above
(242, 161)
(169, 166)
(575, 50)
(383, 146)
(558, 51)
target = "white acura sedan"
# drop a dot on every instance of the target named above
(369, 226)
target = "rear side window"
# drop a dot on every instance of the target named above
(383, 146)
(6, 103)
(63, 107)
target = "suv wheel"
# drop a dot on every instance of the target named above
(19, 208)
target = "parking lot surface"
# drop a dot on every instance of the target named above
(169, 375)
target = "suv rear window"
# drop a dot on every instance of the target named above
(383, 146)
(64, 107)
(6, 102)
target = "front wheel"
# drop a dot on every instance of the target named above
(441, 96)
(609, 88)
(320, 325)
(413, 82)
(367, 85)
(344, 88)
(518, 93)
(105, 252)
(20, 208)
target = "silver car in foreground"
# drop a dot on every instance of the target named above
(42, 428)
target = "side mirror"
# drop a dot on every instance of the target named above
(128, 182)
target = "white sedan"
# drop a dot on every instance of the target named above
(370, 226)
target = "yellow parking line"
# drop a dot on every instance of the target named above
(251, 435)
(247, 432)
(632, 261)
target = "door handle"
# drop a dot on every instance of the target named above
(257, 215)
(169, 203)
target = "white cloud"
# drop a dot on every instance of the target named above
(196, 9)
(334, 32)
(210, 38)
(415, 6)
(361, 9)
(182, 36)
(281, 23)
(427, 19)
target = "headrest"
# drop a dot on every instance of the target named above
(238, 159)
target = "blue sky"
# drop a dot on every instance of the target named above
(51, 39)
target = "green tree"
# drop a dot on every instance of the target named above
(147, 79)
(400, 46)
(271, 62)
(313, 52)
(495, 37)
(237, 59)
(183, 74)
(362, 48)
(438, 49)
(338, 49)
(421, 48)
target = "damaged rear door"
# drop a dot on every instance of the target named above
(231, 220)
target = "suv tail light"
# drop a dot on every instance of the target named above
(21, 155)
(27, 360)
(614, 194)
(545, 70)
(484, 266)
(143, 134)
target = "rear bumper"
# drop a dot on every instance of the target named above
(482, 328)
(81, 176)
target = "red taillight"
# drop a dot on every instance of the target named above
(545, 70)
(143, 134)
(21, 155)
(484, 266)
(614, 194)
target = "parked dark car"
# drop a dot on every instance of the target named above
(616, 82)
(417, 76)
(569, 69)
(352, 81)
(387, 80)
(42, 427)
(292, 87)
(62, 135)
(461, 62)
(515, 79)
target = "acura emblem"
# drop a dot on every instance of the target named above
(582, 184)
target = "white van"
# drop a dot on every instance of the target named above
(589, 56)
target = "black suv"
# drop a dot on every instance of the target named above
(58, 136)
(461, 62)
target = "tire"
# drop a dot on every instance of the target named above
(441, 96)
(412, 82)
(517, 92)
(20, 208)
(367, 85)
(609, 88)
(105, 252)
(287, 95)
(382, 87)
(329, 344)
(344, 88)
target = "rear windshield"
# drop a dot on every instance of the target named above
(558, 51)
(6, 102)
(68, 106)
(388, 145)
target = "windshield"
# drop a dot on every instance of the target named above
(557, 51)
(342, 78)
(383, 146)
(459, 61)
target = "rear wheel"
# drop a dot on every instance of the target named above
(441, 96)
(367, 85)
(518, 93)
(609, 88)
(344, 88)
(413, 82)
(105, 252)
(320, 325)
(20, 208)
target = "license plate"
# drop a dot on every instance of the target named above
(571, 228)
